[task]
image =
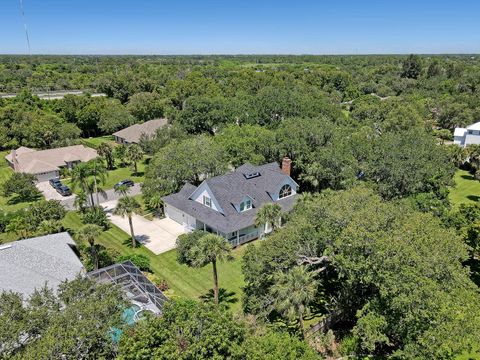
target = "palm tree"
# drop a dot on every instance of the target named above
(120, 153)
(155, 202)
(134, 154)
(211, 248)
(99, 173)
(79, 179)
(122, 190)
(105, 150)
(293, 292)
(80, 201)
(127, 206)
(89, 233)
(268, 214)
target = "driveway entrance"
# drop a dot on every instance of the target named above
(158, 235)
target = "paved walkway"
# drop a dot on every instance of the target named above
(158, 235)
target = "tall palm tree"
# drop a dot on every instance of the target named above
(79, 179)
(89, 233)
(127, 206)
(211, 248)
(293, 292)
(99, 173)
(134, 154)
(268, 214)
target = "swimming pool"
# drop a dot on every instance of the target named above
(128, 317)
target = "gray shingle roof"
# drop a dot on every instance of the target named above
(27, 264)
(132, 134)
(230, 189)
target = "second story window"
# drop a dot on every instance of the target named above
(246, 205)
(285, 191)
(207, 201)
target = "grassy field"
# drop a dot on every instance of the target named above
(96, 141)
(5, 172)
(467, 189)
(183, 281)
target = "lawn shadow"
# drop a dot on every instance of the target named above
(128, 242)
(473, 197)
(225, 297)
(467, 177)
(16, 199)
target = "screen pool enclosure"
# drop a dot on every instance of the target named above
(138, 289)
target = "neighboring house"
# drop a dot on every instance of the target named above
(228, 204)
(467, 136)
(46, 164)
(132, 134)
(29, 264)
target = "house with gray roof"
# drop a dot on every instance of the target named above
(29, 264)
(46, 164)
(133, 134)
(227, 205)
(467, 136)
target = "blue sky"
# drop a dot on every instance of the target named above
(240, 27)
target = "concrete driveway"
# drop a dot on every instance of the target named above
(158, 235)
(51, 194)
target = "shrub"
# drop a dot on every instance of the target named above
(97, 216)
(139, 260)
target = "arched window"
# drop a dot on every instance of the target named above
(285, 191)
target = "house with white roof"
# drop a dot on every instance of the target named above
(227, 205)
(467, 136)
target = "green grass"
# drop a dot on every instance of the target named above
(183, 281)
(6, 204)
(94, 142)
(466, 190)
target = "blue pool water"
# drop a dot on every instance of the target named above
(128, 317)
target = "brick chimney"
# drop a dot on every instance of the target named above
(286, 165)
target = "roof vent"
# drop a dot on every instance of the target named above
(5, 247)
(252, 175)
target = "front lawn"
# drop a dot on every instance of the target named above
(8, 204)
(183, 281)
(94, 142)
(466, 190)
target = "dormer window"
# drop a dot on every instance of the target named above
(246, 205)
(207, 201)
(285, 191)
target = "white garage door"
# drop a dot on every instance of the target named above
(46, 176)
(174, 214)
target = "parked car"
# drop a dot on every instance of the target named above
(64, 190)
(55, 183)
(126, 182)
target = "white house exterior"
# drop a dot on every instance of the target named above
(467, 136)
(227, 205)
